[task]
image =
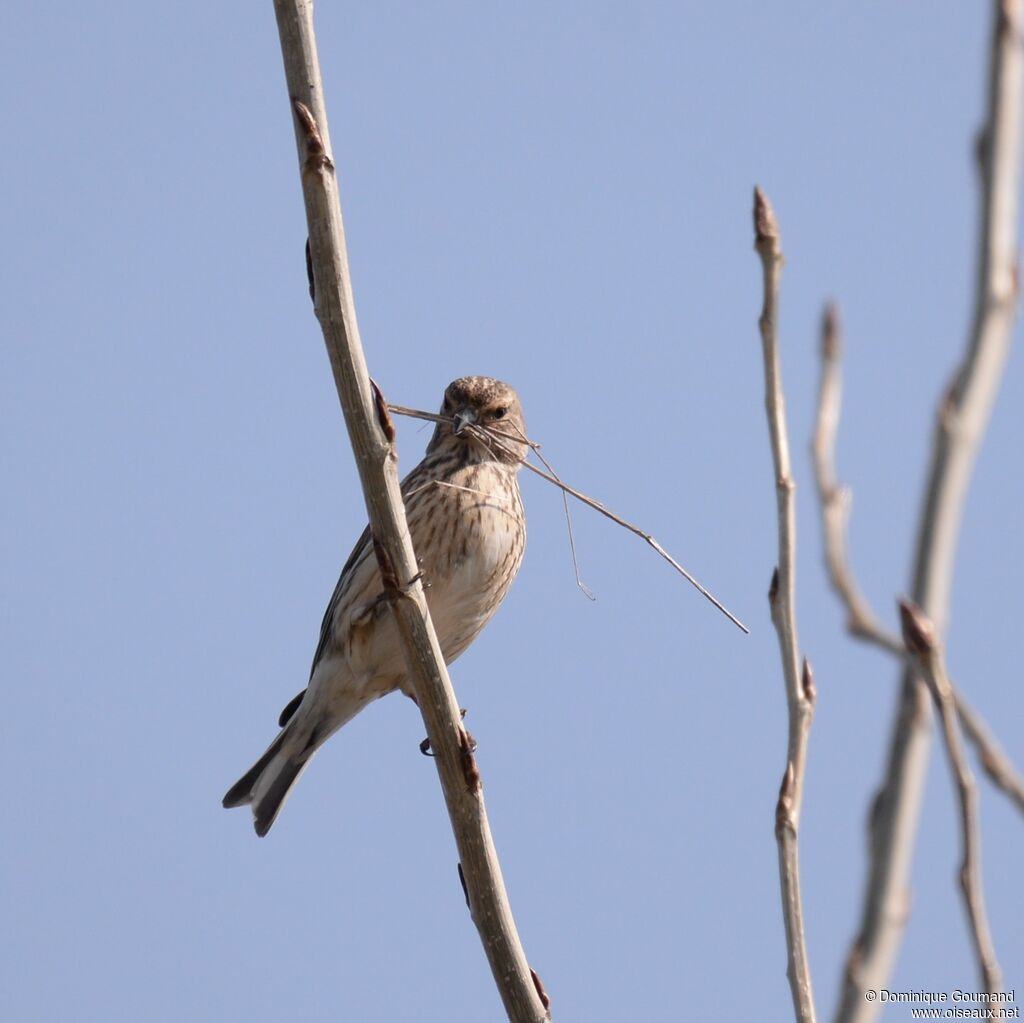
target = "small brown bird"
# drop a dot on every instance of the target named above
(468, 530)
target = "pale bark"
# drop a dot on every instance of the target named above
(861, 621)
(371, 434)
(963, 416)
(922, 641)
(800, 693)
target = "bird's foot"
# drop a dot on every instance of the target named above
(470, 741)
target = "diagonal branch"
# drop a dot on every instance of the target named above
(492, 438)
(994, 761)
(861, 622)
(370, 433)
(800, 692)
(963, 416)
(922, 641)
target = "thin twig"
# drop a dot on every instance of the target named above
(367, 419)
(581, 585)
(800, 692)
(922, 641)
(861, 621)
(491, 436)
(584, 589)
(415, 413)
(835, 499)
(963, 416)
(449, 486)
(994, 761)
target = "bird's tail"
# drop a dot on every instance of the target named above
(307, 725)
(267, 783)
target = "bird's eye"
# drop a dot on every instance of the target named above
(499, 413)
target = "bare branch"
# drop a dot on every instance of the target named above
(800, 692)
(367, 422)
(922, 641)
(994, 761)
(963, 416)
(835, 499)
(860, 619)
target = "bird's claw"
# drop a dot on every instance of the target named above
(470, 741)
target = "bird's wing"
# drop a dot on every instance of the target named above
(360, 552)
(360, 561)
(356, 560)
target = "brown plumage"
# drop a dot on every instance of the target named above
(467, 525)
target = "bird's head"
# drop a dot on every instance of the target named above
(484, 415)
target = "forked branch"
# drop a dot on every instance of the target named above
(922, 641)
(963, 416)
(861, 621)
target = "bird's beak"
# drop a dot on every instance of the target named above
(463, 418)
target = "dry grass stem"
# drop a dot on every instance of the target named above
(371, 434)
(582, 586)
(492, 437)
(800, 691)
(520, 436)
(963, 416)
(861, 621)
(450, 486)
(922, 641)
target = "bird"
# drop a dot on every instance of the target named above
(468, 530)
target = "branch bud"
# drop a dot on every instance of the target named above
(918, 630)
(807, 683)
(831, 333)
(766, 227)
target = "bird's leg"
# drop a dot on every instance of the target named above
(425, 745)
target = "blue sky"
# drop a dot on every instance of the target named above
(560, 198)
